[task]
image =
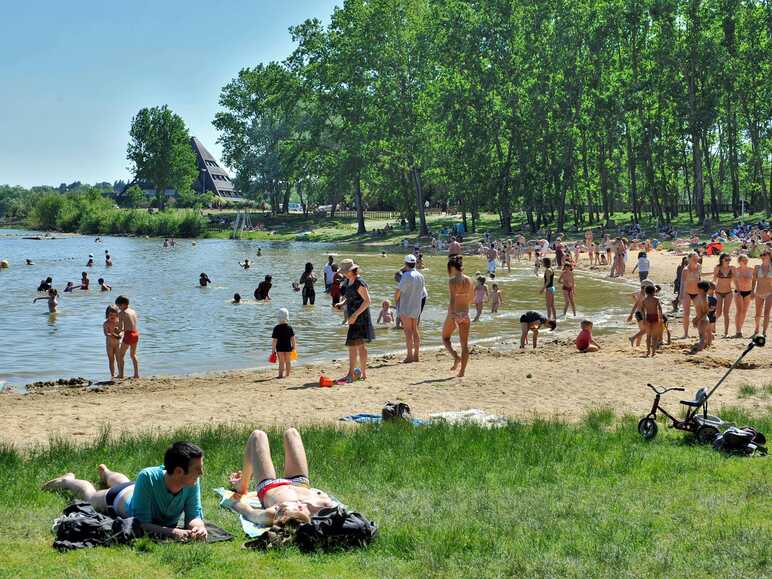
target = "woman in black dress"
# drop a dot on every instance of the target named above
(307, 280)
(356, 300)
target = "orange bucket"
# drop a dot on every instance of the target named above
(325, 382)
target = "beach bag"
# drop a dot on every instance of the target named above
(395, 411)
(80, 527)
(743, 441)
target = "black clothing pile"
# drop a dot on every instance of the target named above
(395, 411)
(80, 526)
(745, 441)
(332, 529)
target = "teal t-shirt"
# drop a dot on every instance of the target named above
(153, 503)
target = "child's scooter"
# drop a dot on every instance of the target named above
(704, 426)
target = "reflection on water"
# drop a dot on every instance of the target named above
(185, 328)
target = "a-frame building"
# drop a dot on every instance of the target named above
(212, 177)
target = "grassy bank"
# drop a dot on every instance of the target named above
(543, 499)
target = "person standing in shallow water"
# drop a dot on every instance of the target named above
(356, 300)
(410, 295)
(307, 280)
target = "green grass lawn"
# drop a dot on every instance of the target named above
(544, 499)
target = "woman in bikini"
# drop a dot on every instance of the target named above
(462, 292)
(690, 277)
(286, 499)
(566, 279)
(762, 280)
(743, 293)
(548, 288)
(651, 308)
(722, 277)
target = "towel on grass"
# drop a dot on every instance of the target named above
(364, 418)
(471, 416)
(250, 529)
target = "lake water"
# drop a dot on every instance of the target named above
(188, 329)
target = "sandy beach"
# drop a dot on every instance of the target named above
(552, 381)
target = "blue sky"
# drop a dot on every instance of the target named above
(72, 74)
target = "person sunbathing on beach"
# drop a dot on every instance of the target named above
(531, 322)
(284, 500)
(128, 327)
(158, 497)
(461, 291)
(52, 298)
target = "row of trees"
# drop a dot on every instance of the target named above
(563, 110)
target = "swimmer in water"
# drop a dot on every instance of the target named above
(261, 293)
(236, 298)
(112, 333)
(385, 317)
(29, 262)
(70, 286)
(108, 259)
(45, 284)
(84, 281)
(245, 264)
(259, 252)
(52, 298)
(203, 280)
(90, 262)
(104, 286)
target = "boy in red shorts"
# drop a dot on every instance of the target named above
(584, 341)
(128, 325)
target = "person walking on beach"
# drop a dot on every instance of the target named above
(410, 295)
(307, 280)
(762, 283)
(492, 254)
(690, 277)
(329, 274)
(568, 283)
(651, 308)
(356, 300)
(461, 292)
(722, 277)
(743, 293)
(128, 326)
(283, 343)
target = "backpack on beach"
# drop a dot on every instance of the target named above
(395, 411)
(743, 441)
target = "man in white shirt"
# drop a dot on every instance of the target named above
(329, 275)
(411, 294)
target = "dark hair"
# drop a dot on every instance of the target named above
(546, 262)
(268, 278)
(49, 279)
(552, 324)
(100, 280)
(180, 454)
(704, 285)
(111, 309)
(457, 262)
(236, 297)
(641, 254)
(649, 290)
(724, 256)
(121, 300)
(309, 267)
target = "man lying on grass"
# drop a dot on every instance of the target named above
(157, 499)
(284, 499)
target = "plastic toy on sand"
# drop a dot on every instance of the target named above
(325, 381)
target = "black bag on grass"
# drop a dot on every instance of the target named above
(395, 411)
(80, 527)
(335, 528)
(745, 441)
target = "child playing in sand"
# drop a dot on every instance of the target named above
(480, 296)
(532, 321)
(110, 328)
(283, 342)
(52, 298)
(584, 341)
(496, 298)
(128, 326)
(385, 317)
(651, 308)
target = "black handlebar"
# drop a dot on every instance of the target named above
(666, 390)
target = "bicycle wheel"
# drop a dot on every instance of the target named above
(647, 427)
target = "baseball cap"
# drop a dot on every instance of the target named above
(410, 259)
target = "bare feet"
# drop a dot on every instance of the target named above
(456, 362)
(56, 483)
(103, 470)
